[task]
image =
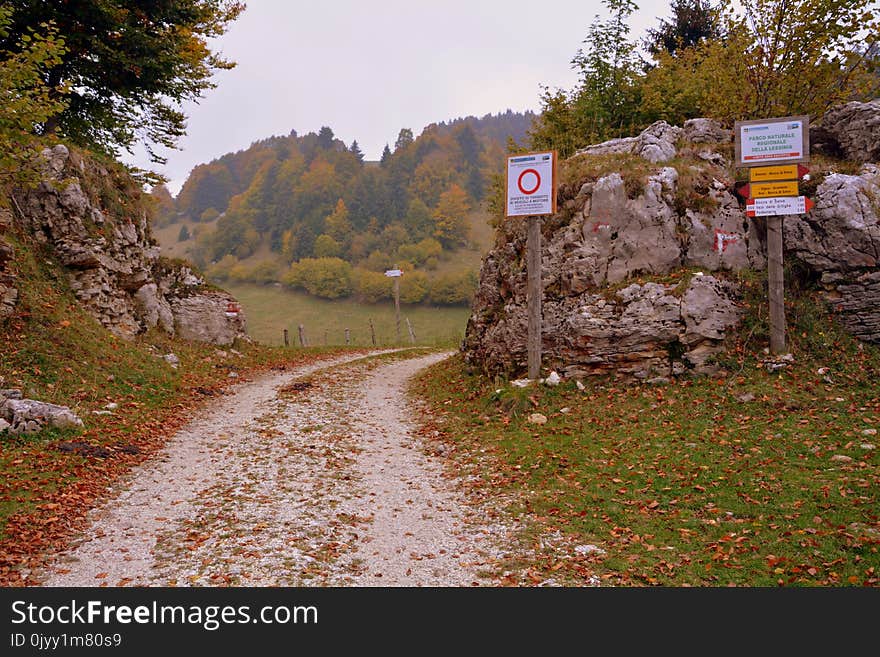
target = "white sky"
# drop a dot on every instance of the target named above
(368, 69)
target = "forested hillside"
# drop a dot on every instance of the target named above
(310, 212)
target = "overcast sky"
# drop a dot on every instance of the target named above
(368, 69)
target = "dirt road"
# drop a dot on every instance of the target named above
(308, 478)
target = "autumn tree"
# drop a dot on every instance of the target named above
(164, 208)
(208, 186)
(404, 139)
(471, 150)
(26, 99)
(386, 156)
(692, 21)
(337, 225)
(606, 100)
(775, 58)
(450, 217)
(355, 150)
(127, 66)
(418, 219)
(326, 138)
(326, 247)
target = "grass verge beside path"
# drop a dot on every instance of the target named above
(750, 478)
(45, 491)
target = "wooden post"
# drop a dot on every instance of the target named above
(347, 336)
(397, 304)
(302, 336)
(412, 335)
(286, 339)
(775, 285)
(534, 293)
(372, 332)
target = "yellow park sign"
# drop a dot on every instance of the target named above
(777, 172)
(771, 189)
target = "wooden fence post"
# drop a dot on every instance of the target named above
(302, 336)
(372, 332)
(412, 335)
(286, 339)
(347, 336)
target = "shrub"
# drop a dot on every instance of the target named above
(219, 271)
(413, 287)
(371, 286)
(330, 278)
(453, 289)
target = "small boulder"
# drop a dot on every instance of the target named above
(841, 458)
(30, 416)
(537, 418)
(172, 360)
(705, 131)
(552, 380)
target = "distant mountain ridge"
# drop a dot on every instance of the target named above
(294, 198)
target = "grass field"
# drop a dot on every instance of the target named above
(747, 478)
(271, 309)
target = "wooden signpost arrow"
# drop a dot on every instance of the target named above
(769, 189)
(778, 172)
(766, 207)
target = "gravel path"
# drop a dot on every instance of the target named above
(308, 478)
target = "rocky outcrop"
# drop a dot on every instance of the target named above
(205, 318)
(839, 241)
(642, 283)
(655, 144)
(8, 290)
(30, 416)
(113, 265)
(851, 131)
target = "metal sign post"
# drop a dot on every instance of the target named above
(531, 192)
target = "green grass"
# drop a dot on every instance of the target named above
(686, 484)
(270, 309)
(167, 236)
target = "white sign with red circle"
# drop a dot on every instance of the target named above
(531, 184)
